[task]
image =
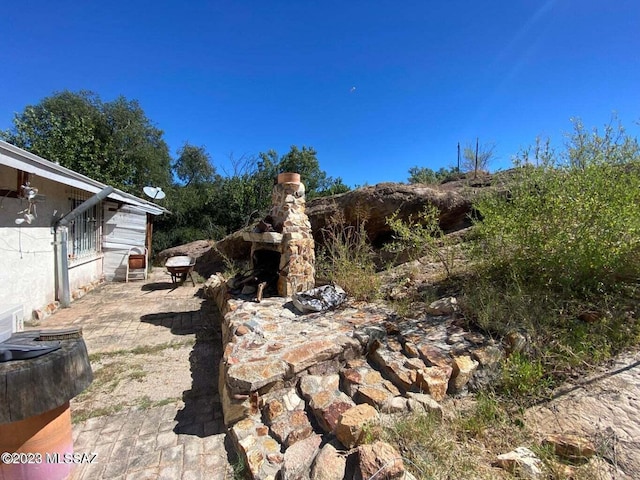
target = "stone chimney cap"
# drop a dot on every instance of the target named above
(288, 177)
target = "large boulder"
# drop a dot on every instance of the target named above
(211, 257)
(194, 250)
(232, 247)
(378, 202)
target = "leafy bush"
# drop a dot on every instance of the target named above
(571, 223)
(523, 376)
(420, 237)
(557, 255)
(429, 176)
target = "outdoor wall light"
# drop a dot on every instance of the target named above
(29, 192)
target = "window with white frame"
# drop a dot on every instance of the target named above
(85, 231)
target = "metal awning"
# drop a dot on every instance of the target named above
(20, 159)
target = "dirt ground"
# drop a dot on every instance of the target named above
(604, 407)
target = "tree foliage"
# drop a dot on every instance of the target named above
(115, 143)
(194, 166)
(429, 176)
(305, 162)
(248, 190)
(112, 142)
(208, 205)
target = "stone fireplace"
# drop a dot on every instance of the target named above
(282, 247)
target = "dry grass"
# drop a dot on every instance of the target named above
(130, 379)
(346, 259)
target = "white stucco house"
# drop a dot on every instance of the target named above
(62, 234)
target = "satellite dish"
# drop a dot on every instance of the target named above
(154, 192)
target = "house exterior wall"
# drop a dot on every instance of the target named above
(27, 276)
(84, 275)
(124, 227)
(27, 252)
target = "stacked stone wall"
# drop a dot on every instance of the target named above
(297, 261)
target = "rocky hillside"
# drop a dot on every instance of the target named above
(373, 204)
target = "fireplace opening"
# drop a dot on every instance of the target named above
(282, 243)
(266, 268)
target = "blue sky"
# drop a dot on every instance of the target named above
(248, 76)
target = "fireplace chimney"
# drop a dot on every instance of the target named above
(285, 231)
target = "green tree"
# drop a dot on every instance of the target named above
(305, 162)
(194, 165)
(112, 142)
(246, 192)
(429, 176)
(194, 201)
(336, 187)
(133, 140)
(208, 205)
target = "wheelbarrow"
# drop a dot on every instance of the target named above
(179, 267)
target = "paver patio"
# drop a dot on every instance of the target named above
(183, 439)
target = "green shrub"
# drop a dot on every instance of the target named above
(559, 240)
(523, 376)
(572, 223)
(421, 236)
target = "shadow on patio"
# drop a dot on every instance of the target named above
(202, 412)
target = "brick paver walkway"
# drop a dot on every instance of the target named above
(181, 440)
(143, 444)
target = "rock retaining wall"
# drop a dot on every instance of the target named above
(293, 386)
